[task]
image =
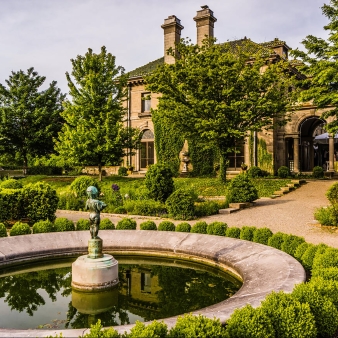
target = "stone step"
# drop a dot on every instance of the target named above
(298, 182)
(227, 211)
(285, 189)
(279, 192)
(291, 185)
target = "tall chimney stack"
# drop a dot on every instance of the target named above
(172, 34)
(205, 24)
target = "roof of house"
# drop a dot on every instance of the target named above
(146, 69)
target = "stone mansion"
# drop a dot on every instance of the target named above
(293, 145)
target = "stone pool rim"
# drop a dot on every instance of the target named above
(262, 269)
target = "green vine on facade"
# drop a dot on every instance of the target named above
(264, 158)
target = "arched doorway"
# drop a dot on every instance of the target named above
(147, 150)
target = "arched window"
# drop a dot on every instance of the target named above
(147, 150)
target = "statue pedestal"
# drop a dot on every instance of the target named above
(95, 248)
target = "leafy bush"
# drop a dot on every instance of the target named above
(247, 233)
(217, 228)
(43, 227)
(154, 330)
(181, 204)
(82, 224)
(327, 259)
(233, 232)
(10, 184)
(241, 190)
(120, 210)
(291, 243)
(309, 255)
(326, 288)
(80, 184)
(206, 208)
(68, 201)
(199, 227)
(317, 172)
(20, 229)
(276, 240)
(183, 227)
(44, 170)
(166, 226)
(326, 273)
(63, 224)
(248, 322)
(283, 172)
(145, 208)
(300, 251)
(11, 205)
(126, 224)
(326, 216)
(106, 224)
(190, 326)
(332, 194)
(159, 181)
(148, 225)
(262, 235)
(255, 172)
(3, 230)
(122, 171)
(97, 331)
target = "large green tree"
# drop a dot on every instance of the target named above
(94, 132)
(29, 117)
(320, 64)
(219, 92)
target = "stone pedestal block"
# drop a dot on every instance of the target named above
(95, 248)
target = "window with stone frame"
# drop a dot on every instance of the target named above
(145, 102)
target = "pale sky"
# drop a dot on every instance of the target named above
(46, 34)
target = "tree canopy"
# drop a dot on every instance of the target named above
(94, 132)
(219, 92)
(29, 117)
(319, 63)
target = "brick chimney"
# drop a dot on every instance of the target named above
(172, 34)
(205, 24)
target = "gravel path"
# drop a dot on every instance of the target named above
(291, 213)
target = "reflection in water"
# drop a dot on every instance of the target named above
(145, 292)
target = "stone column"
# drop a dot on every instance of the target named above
(296, 154)
(331, 152)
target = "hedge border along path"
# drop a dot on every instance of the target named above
(263, 269)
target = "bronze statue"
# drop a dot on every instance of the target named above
(94, 206)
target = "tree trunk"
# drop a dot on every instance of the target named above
(25, 164)
(224, 163)
(100, 172)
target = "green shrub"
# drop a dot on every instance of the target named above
(276, 240)
(20, 229)
(68, 201)
(44, 170)
(145, 207)
(189, 326)
(241, 190)
(3, 230)
(63, 224)
(181, 204)
(83, 224)
(11, 184)
(40, 202)
(291, 243)
(217, 228)
(43, 227)
(11, 205)
(80, 184)
(120, 210)
(126, 224)
(317, 172)
(206, 208)
(247, 233)
(326, 216)
(233, 232)
(309, 255)
(154, 330)
(323, 310)
(183, 227)
(289, 317)
(254, 172)
(326, 273)
(326, 288)
(300, 251)
(327, 259)
(122, 171)
(159, 181)
(283, 172)
(106, 224)
(248, 322)
(262, 235)
(199, 227)
(148, 225)
(332, 194)
(166, 226)
(97, 331)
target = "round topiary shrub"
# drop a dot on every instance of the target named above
(166, 226)
(332, 194)
(233, 232)
(159, 181)
(106, 224)
(11, 184)
(254, 172)
(20, 229)
(120, 210)
(3, 230)
(300, 251)
(80, 184)
(126, 224)
(247, 233)
(326, 273)
(283, 172)
(181, 204)
(291, 243)
(199, 228)
(64, 224)
(82, 224)
(310, 253)
(317, 172)
(241, 190)
(122, 171)
(262, 235)
(148, 225)
(276, 240)
(217, 228)
(41, 227)
(183, 227)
